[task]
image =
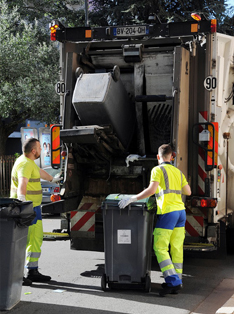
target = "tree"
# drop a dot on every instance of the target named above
(69, 12)
(28, 73)
(123, 12)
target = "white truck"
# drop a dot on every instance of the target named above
(124, 91)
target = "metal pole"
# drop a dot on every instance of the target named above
(86, 13)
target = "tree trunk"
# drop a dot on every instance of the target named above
(3, 140)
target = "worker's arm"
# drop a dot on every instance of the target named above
(46, 176)
(148, 191)
(22, 188)
(144, 194)
(186, 190)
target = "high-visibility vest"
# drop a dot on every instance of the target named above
(169, 192)
(25, 167)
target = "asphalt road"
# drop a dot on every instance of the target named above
(76, 285)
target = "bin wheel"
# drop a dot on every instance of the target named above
(103, 282)
(147, 283)
(110, 285)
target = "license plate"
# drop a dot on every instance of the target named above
(130, 31)
(45, 189)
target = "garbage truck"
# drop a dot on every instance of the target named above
(126, 90)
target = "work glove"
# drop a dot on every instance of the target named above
(22, 198)
(54, 180)
(125, 202)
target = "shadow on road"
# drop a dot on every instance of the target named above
(34, 307)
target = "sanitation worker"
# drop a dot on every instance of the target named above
(168, 184)
(26, 186)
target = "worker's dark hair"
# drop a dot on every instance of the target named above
(165, 150)
(29, 145)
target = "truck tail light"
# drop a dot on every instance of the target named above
(196, 16)
(213, 26)
(55, 146)
(204, 202)
(55, 197)
(56, 190)
(63, 154)
(53, 32)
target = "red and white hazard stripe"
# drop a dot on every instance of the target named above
(84, 218)
(82, 221)
(201, 158)
(194, 225)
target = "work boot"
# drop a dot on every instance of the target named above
(26, 282)
(169, 290)
(164, 285)
(35, 276)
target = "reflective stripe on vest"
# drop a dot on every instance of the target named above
(167, 191)
(38, 192)
(34, 192)
(30, 180)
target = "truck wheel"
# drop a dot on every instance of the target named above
(103, 282)
(147, 283)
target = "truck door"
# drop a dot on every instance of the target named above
(181, 107)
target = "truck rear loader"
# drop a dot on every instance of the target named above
(126, 90)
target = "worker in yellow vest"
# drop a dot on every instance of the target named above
(26, 186)
(168, 184)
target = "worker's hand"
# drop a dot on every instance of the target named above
(125, 202)
(54, 180)
(22, 198)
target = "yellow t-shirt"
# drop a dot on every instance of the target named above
(169, 194)
(25, 167)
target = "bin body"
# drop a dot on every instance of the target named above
(13, 239)
(127, 241)
(99, 100)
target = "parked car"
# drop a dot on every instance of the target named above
(50, 188)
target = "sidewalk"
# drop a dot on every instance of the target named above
(214, 302)
(228, 307)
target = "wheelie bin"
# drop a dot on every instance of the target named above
(15, 217)
(127, 243)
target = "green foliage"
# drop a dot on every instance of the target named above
(28, 71)
(69, 12)
(17, 155)
(120, 12)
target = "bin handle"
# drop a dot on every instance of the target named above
(114, 204)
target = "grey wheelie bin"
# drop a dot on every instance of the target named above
(15, 217)
(127, 243)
